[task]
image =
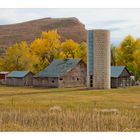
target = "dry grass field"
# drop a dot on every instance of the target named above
(69, 109)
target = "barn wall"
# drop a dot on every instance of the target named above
(28, 79)
(15, 81)
(46, 82)
(121, 82)
(114, 82)
(125, 73)
(76, 77)
(124, 81)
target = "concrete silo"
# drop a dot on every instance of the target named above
(98, 65)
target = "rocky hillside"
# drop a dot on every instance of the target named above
(68, 28)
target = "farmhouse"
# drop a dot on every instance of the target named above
(3, 76)
(62, 73)
(19, 78)
(121, 77)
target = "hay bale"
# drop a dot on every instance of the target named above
(109, 110)
(55, 109)
(136, 106)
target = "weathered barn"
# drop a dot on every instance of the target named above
(120, 77)
(20, 78)
(62, 73)
(3, 76)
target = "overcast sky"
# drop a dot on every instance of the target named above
(121, 22)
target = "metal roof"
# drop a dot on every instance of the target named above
(18, 74)
(117, 70)
(58, 68)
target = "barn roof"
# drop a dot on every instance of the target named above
(58, 68)
(18, 74)
(117, 70)
(4, 72)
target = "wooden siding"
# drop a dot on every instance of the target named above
(121, 82)
(46, 82)
(125, 73)
(76, 77)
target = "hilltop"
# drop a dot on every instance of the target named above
(68, 28)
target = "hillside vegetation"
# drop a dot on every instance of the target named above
(68, 28)
(69, 109)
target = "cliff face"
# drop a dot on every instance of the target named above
(68, 28)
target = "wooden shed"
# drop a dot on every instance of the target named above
(20, 78)
(62, 73)
(120, 77)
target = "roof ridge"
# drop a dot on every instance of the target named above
(58, 67)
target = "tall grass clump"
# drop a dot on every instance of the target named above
(87, 119)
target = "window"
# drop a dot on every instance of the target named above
(52, 81)
(91, 85)
(91, 80)
(91, 77)
(77, 79)
(61, 79)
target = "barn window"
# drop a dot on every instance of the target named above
(52, 81)
(61, 79)
(77, 79)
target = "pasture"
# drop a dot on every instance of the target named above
(69, 109)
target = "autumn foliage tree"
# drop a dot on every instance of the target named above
(113, 55)
(41, 52)
(71, 49)
(17, 57)
(128, 54)
(83, 51)
(45, 49)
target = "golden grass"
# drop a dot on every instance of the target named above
(69, 109)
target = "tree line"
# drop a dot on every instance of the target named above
(41, 52)
(127, 54)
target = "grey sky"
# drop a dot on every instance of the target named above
(121, 22)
